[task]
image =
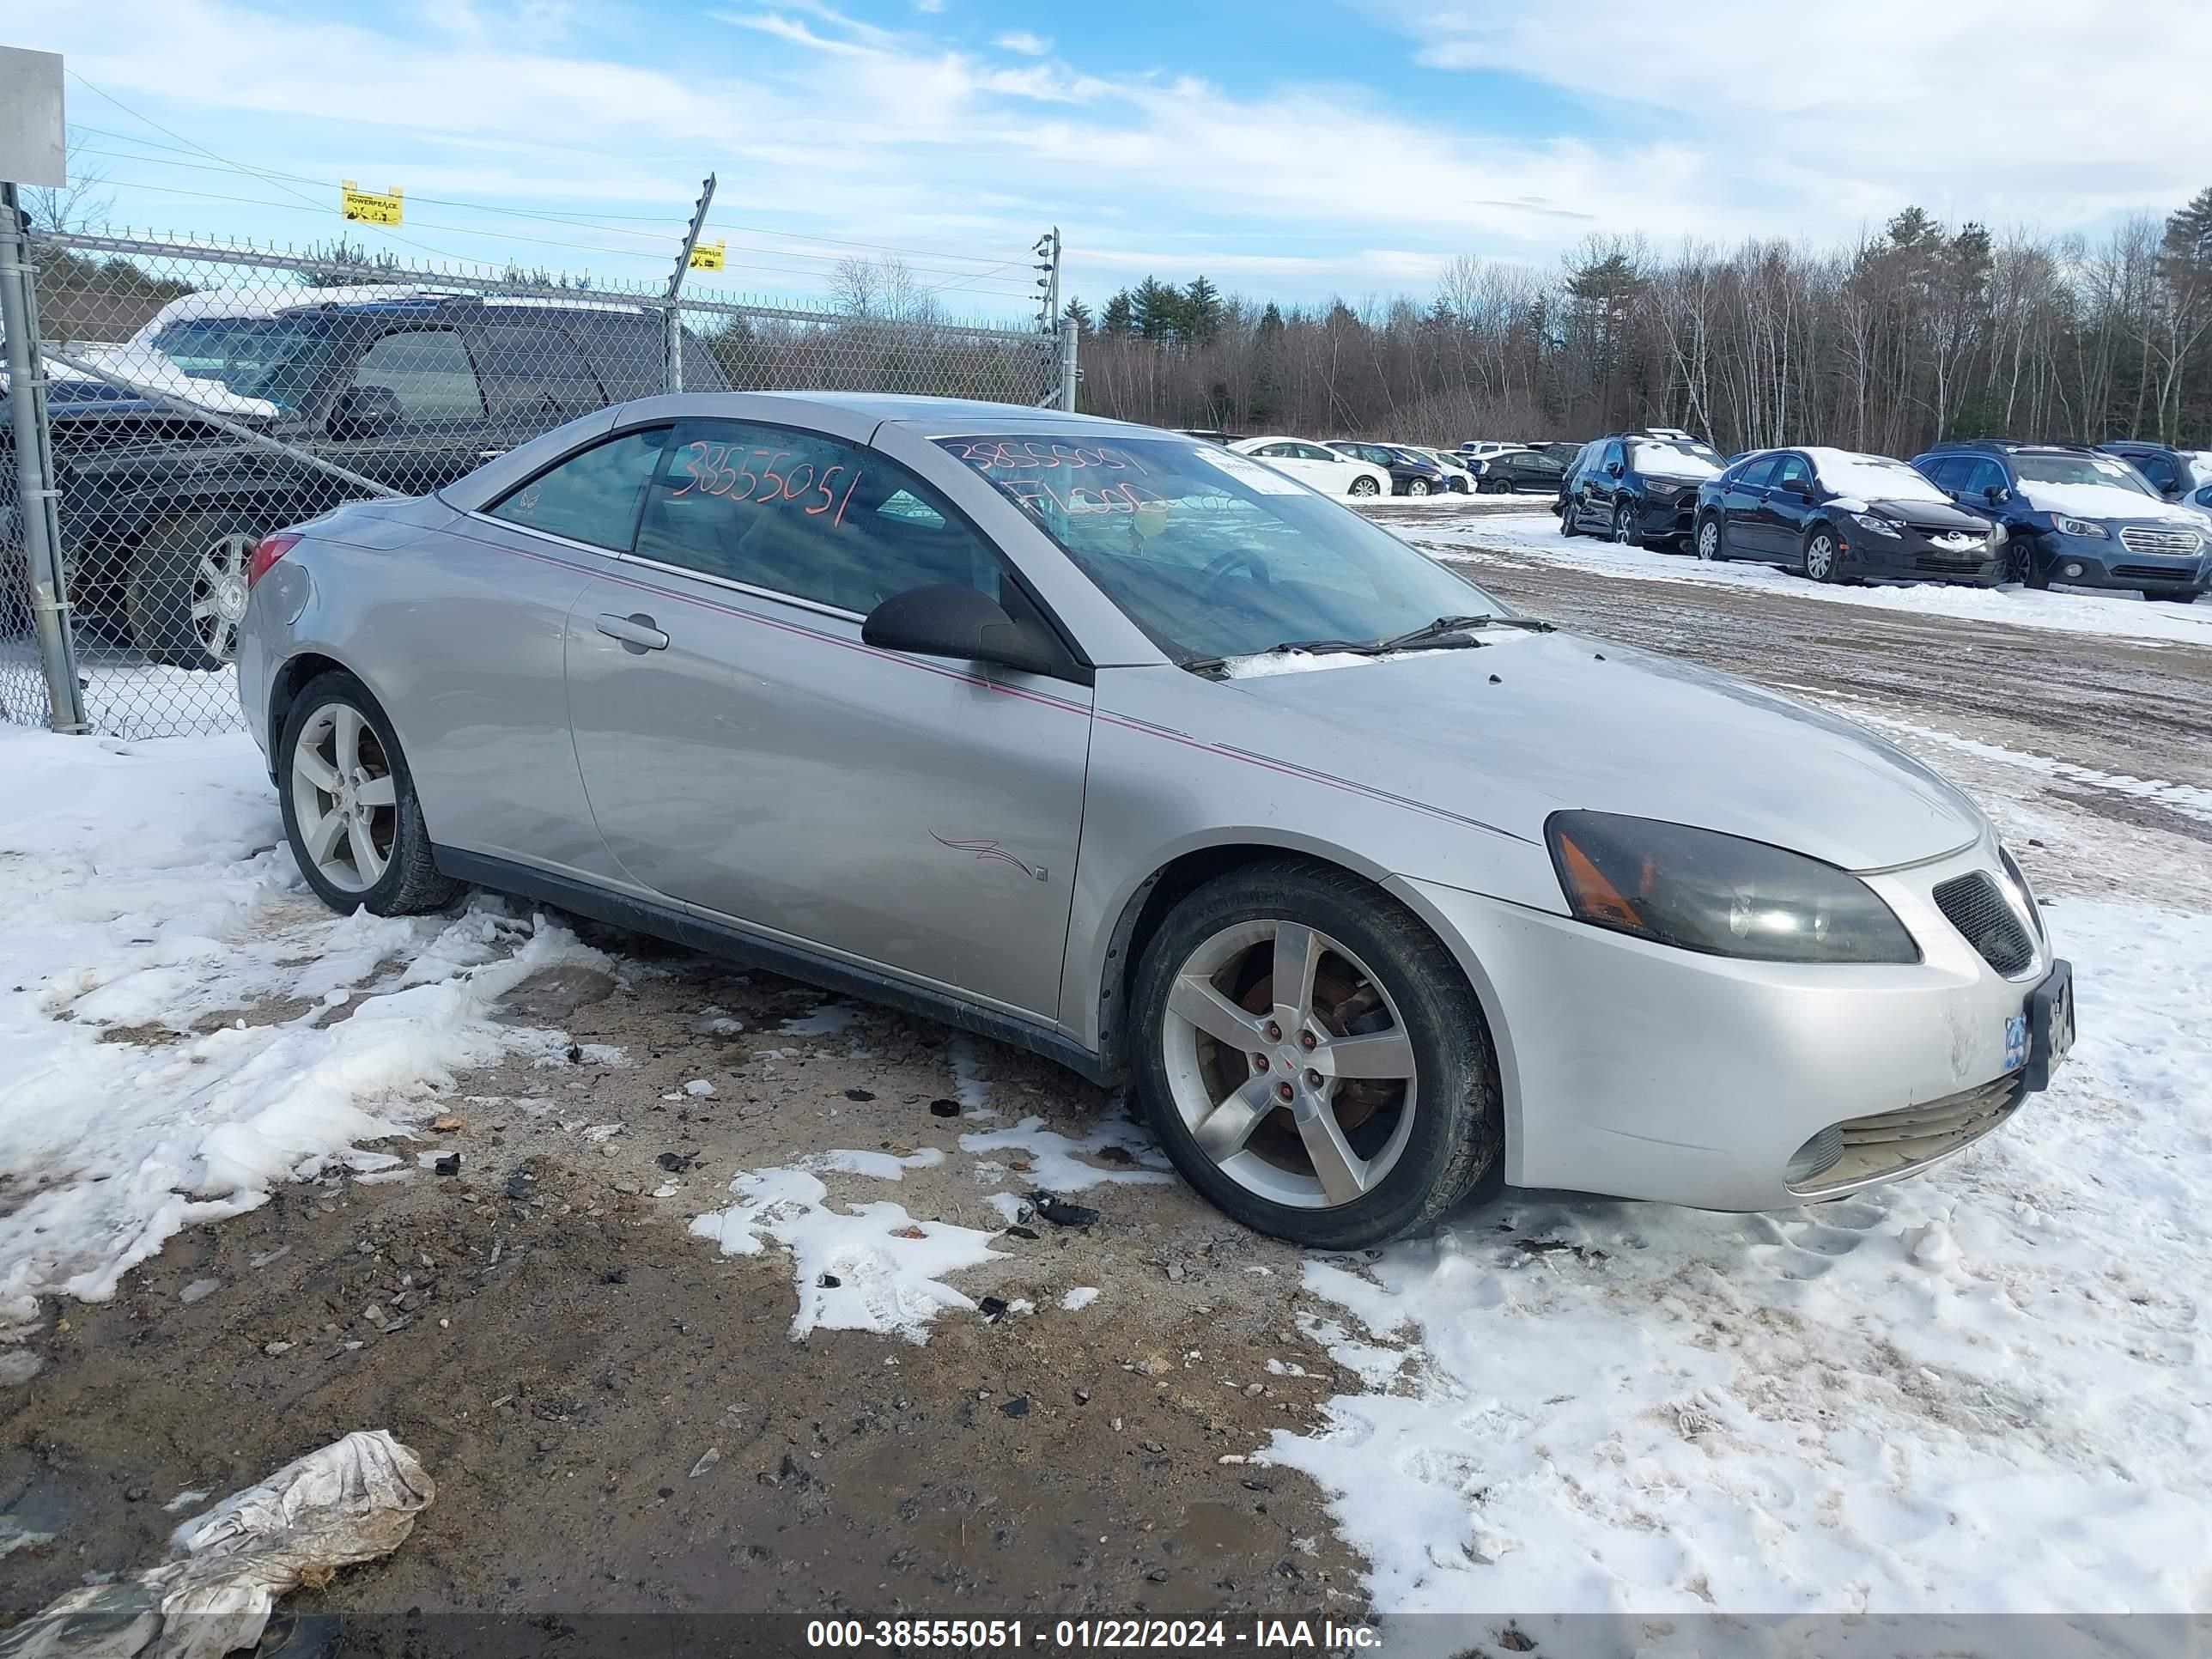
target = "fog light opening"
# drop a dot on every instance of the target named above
(1815, 1155)
(2073, 570)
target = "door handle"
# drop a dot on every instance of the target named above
(637, 634)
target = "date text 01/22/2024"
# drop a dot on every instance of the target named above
(1156, 1635)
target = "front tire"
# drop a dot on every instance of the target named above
(1823, 560)
(185, 590)
(1624, 525)
(1711, 543)
(350, 807)
(1376, 1108)
(1417, 486)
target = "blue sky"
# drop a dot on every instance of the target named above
(1296, 149)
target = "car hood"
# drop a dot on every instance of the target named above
(1930, 515)
(1509, 732)
(2107, 501)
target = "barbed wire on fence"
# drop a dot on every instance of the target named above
(203, 394)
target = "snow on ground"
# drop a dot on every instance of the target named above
(183, 1024)
(873, 1267)
(2126, 615)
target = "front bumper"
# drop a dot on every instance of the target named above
(2106, 561)
(1639, 1071)
(1664, 520)
(1913, 557)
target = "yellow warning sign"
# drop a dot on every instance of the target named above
(709, 256)
(369, 208)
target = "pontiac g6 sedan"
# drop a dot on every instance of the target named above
(1140, 755)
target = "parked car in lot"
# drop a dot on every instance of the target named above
(1459, 476)
(1834, 514)
(2078, 516)
(2174, 473)
(410, 388)
(1529, 471)
(1409, 474)
(1318, 466)
(855, 685)
(1638, 489)
(1483, 449)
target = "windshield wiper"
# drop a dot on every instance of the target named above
(1435, 632)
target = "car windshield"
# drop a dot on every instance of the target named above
(2105, 470)
(1213, 554)
(1873, 477)
(273, 358)
(1672, 460)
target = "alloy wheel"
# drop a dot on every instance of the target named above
(1365, 486)
(1821, 557)
(1709, 540)
(1623, 526)
(1289, 1063)
(1417, 486)
(344, 798)
(218, 595)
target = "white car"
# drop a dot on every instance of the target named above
(1316, 465)
(1459, 475)
(1483, 449)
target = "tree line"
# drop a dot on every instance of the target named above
(1917, 333)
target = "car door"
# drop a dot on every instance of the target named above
(1599, 485)
(1743, 499)
(1325, 470)
(1784, 506)
(747, 754)
(1292, 459)
(411, 414)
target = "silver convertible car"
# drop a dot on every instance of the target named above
(1126, 749)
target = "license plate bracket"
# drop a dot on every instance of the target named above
(2050, 1024)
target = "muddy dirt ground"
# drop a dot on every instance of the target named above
(565, 1355)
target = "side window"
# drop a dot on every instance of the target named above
(1279, 451)
(2158, 469)
(1793, 473)
(428, 371)
(1315, 452)
(1946, 472)
(592, 496)
(534, 369)
(1614, 456)
(1984, 475)
(798, 514)
(1758, 475)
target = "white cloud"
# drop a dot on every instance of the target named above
(1828, 115)
(1020, 40)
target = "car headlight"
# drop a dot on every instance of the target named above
(1701, 891)
(1665, 492)
(1876, 523)
(2066, 526)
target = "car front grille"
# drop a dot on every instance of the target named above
(1978, 907)
(2144, 538)
(1889, 1144)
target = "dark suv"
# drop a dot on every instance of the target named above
(160, 511)
(2174, 473)
(1638, 487)
(2077, 515)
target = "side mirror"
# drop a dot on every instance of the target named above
(948, 620)
(365, 411)
(1996, 495)
(1613, 469)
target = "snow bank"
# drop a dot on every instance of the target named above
(1977, 1391)
(1536, 535)
(149, 898)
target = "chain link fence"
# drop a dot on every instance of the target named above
(197, 397)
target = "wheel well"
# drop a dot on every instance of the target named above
(291, 679)
(1148, 907)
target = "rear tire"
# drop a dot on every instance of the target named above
(185, 590)
(1400, 1139)
(1365, 486)
(1710, 544)
(351, 811)
(1567, 516)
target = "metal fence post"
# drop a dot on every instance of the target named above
(1071, 333)
(34, 470)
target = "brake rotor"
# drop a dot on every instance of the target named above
(1340, 1001)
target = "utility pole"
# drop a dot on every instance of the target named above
(674, 376)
